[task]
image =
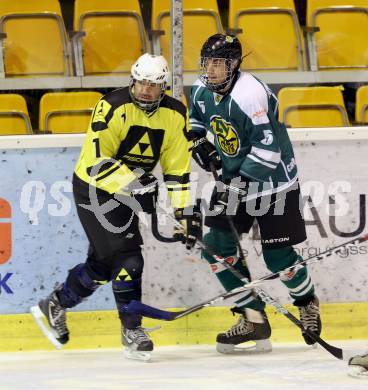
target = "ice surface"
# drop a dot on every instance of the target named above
(289, 366)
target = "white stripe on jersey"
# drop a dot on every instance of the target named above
(197, 125)
(231, 100)
(286, 172)
(257, 160)
(267, 155)
(274, 190)
(192, 120)
(197, 90)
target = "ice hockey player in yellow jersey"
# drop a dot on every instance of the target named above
(131, 130)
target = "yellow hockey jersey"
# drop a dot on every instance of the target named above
(121, 137)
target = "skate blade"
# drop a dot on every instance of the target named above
(260, 346)
(358, 372)
(143, 356)
(39, 318)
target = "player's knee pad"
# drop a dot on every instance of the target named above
(79, 284)
(127, 277)
(127, 265)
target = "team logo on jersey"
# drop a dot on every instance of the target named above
(99, 116)
(141, 147)
(226, 135)
(217, 97)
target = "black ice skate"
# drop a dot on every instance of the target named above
(310, 318)
(51, 310)
(251, 326)
(137, 343)
(358, 366)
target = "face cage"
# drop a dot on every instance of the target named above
(229, 73)
(144, 105)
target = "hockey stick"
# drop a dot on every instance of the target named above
(152, 312)
(266, 298)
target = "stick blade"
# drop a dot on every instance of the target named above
(137, 307)
(335, 351)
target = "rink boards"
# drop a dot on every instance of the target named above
(45, 239)
(101, 329)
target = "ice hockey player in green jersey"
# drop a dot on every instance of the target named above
(256, 156)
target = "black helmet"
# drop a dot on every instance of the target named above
(220, 46)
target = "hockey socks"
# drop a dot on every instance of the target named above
(223, 243)
(298, 280)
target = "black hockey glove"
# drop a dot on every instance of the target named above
(204, 154)
(227, 195)
(191, 220)
(145, 190)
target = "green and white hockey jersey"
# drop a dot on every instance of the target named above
(247, 134)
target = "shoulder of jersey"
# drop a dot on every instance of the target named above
(198, 88)
(118, 97)
(173, 104)
(247, 85)
(251, 97)
(247, 89)
(198, 83)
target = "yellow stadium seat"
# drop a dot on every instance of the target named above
(341, 42)
(14, 118)
(67, 112)
(312, 107)
(33, 39)
(270, 34)
(113, 35)
(361, 105)
(200, 20)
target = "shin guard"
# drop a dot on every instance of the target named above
(127, 285)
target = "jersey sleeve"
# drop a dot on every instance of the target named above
(196, 122)
(97, 161)
(265, 154)
(175, 162)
